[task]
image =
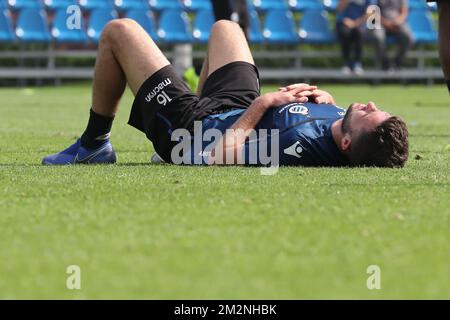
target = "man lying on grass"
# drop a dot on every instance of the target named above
(307, 126)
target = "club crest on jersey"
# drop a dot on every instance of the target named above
(299, 109)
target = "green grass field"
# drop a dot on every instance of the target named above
(139, 230)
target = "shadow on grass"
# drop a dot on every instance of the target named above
(141, 164)
(129, 164)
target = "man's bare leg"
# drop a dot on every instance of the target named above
(126, 55)
(227, 44)
(203, 75)
(444, 38)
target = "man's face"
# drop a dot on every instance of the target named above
(362, 117)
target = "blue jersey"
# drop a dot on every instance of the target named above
(300, 133)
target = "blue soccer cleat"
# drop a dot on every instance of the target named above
(77, 154)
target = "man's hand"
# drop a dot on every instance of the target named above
(349, 23)
(321, 96)
(389, 25)
(311, 93)
(399, 21)
(284, 96)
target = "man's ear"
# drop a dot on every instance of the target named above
(346, 142)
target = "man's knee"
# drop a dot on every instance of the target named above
(117, 30)
(225, 26)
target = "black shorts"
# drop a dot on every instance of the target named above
(164, 103)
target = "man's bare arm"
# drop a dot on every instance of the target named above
(403, 15)
(229, 149)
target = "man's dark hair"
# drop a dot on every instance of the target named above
(385, 146)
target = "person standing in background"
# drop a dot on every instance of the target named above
(444, 37)
(234, 10)
(394, 14)
(350, 20)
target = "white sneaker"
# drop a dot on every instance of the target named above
(391, 71)
(346, 70)
(358, 69)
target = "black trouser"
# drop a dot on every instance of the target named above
(404, 41)
(351, 43)
(223, 9)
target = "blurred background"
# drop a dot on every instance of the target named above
(55, 41)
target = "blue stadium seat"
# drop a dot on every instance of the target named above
(24, 4)
(417, 4)
(196, 5)
(330, 5)
(422, 27)
(97, 21)
(174, 27)
(279, 27)
(161, 5)
(62, 34)
(303, 5)
(267, 5)
(6, 30)
(88, 5)
(59, 4)
(3, 5)
(314, 27)
(203, 22)
(145, 19)
(32, 26)
(125, 5)
(255, 35)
